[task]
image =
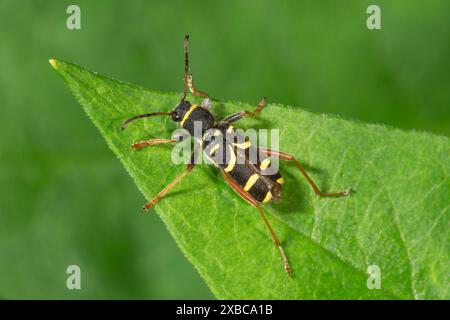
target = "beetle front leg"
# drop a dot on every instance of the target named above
(164, 191)
(142, 144)
(194, 90)
(237, 116)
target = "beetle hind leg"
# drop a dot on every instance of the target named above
(247, 197)
(288, 157)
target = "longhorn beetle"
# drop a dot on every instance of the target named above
(247, 179)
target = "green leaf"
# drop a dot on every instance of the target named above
(396, 220)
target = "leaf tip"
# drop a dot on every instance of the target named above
(54, 63)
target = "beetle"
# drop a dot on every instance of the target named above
(247, 179)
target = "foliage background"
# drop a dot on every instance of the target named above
(65, 199)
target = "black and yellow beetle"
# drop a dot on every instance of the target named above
(247, 179)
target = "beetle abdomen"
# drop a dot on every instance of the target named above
(260, 187)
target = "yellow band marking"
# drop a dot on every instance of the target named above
(265, 164)
(232, 160)
(244, 145)
(280, 180)
(186, 116)
(214, 149)
(251, 181)
(268, 197)
(230, 129)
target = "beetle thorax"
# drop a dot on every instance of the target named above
(193, 118)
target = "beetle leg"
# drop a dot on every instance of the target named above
(206, 103)
(247, 197)
(288, 157)
(239, 115)
(142, 144)
(193, 89)
(188, 80)
(164, 191)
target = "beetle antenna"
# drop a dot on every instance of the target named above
(186, 65)
(145, 115)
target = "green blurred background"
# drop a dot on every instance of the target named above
(64, 197)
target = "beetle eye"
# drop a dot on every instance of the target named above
(175, 116)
